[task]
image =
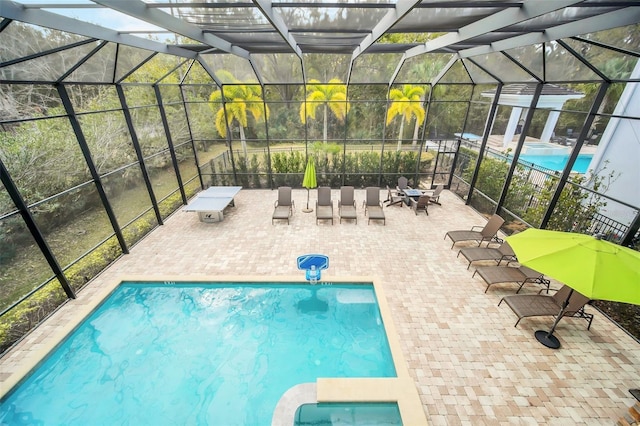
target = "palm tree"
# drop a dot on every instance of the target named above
(407, 103)
(332, 96)
(238, 99)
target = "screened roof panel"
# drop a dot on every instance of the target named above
(456, 74)
(314, 17)
(279, 67)
(391, 48)
(559, 17)
(628, 37)
(14, 47)
(502, 67)
(47, 68)
(334, 42)
(324, 67)
(254, 41)
(529, 57)
(478, 75)
(442, 18)
(559, 61)
(128, 58)
(378, 68)
(88, 11)
(98, 68)
(239, 68)
(616, 66)
(298, 27)
(222, 16)
(422, 68)
(197, 75)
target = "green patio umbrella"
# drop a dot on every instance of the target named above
(596, 268)
(309, 181)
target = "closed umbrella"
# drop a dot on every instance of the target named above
(594, 267)
(309, 181)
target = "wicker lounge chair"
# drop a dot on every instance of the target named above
(284, 205)
(487, 233)
(498, 254)
(507, 274)
(324, 205)
(372, 205)
(420, 204)
(347, 204)
(538, 305)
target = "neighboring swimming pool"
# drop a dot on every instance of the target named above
(194, 353)
(557, 162)
(468, 136)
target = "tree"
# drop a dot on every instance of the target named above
(236, 99)
(407, 103)
(332, 96)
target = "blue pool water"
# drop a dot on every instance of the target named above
(217, 354)
(468, 136)
(557, 162)
(369, 414)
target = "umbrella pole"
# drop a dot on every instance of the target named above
(307, 210)
(546, 337)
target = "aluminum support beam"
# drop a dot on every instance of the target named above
(172, 150)
(606, 21)
(483, 145)
(574, 154)
(530, 9)
(516, 152)
(392, 16)
(22, 207)
(266, 7)
(58, 22)
(93, 170)
(140, 10)
(138, 149)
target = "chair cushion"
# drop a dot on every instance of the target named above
(348, 212)
(375, 212)
(324, 212)
(281, 212)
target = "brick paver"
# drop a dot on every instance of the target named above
(470, 365)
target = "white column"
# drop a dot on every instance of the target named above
(549, 126)
(511, 126)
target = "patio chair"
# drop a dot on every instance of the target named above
(324, 204)
(434, 197)
(284, 205)
(347, 204)
(403, 183)
(393, 199)
(539, 305)
(504, 252)
(372, 205)
(487, 233)
(507, 274)
(420, 204)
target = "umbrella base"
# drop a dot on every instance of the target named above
(307, 210)
(549, 341)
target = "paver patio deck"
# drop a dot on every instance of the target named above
(470, 365)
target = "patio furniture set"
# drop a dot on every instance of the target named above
(347, 208)
(523, 305)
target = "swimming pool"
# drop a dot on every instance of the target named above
(557, 162)
(192, 353)
(468, 136)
